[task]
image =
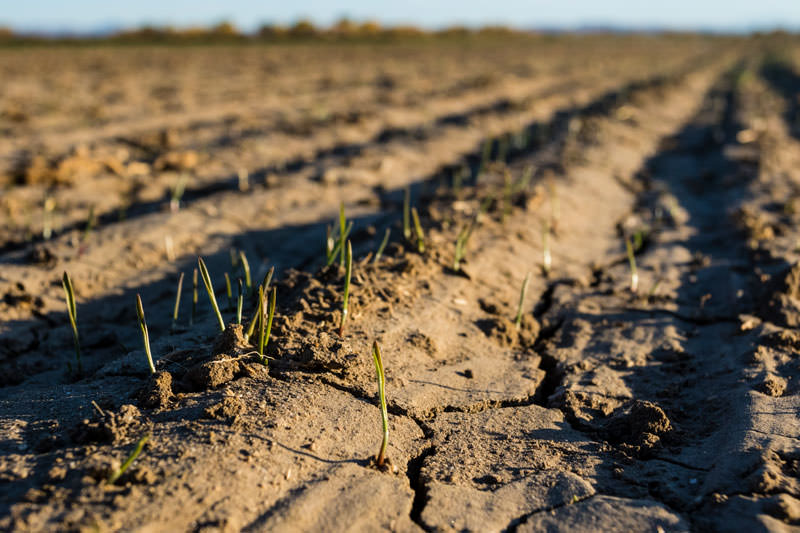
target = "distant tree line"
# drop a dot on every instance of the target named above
(302, 30)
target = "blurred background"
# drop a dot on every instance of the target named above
(96, 18)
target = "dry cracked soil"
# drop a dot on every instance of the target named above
(646, 188)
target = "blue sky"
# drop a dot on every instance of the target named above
(91, 15)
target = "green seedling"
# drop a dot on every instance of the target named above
(407, 214)
(194, 297)
(265, 322)
(47, 217)
(518, 319)
(378, 360)
(638, 240)
(652, 292)
(547, 258)
(333, 242)
(129, 461)
(176, 309)
(234, 258)
(244, 179)
(90, 222)
(145, 334)
(342, 233)
(461, 246)
(348, 273)
(229, 291)
(239, 302)
(382, 247)
(246, 270)
(252, 326)
(632, 263)
(169, 248)
(256, 317)
(177, 193)
(72, 311)
(418, 231)
(524, 180)
(268, 277)
(210, 289)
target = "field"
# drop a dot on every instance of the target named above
(592, 327)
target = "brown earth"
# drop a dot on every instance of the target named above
(673, 408)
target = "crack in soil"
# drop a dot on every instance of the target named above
(514, 525)
(414, 473)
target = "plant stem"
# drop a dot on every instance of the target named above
(518, 319)
(177, 194)
(228, 291)
(333, 249)
(246, 269)
(461, 243)
(90, 221)
(265, 285)
(239, 303)
(378, 360)
(632, 263)
(145, 334)
(406, 214)
(418, 231)
(263, 338)
(210, 289)
(72, 311)
(257, 317)
(347, 275)
(194, 297)
(385, 240)
(342, 232)
(129, 461)
(177, 302)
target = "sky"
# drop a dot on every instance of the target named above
(82, 16)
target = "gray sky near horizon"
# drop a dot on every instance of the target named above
(83, 16)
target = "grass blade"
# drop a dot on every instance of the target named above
(145, 334)
(129, 461)
(90, 222)
(177, 194)
(406, 214)
(418, 231)
(378, 360)
(239, 303)
(342, 232)
(210, 289)
(265, 286)
(72, 311)
(632, 263)
(334, 250)
(518, 319)
(265, 329)
(461, 244)
(347, 275)
(176, 309)
(228, 291)
(194, 297)
(547, 258)
(385, 240)
(246, 270)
